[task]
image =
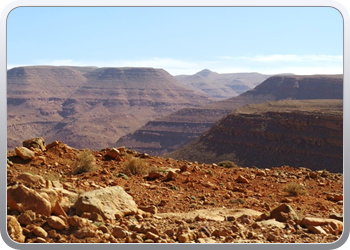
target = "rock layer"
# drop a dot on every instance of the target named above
(295, 133)
(166, 134)
(88, 106)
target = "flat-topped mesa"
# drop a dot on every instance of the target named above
(127, 72)
(171, 132)
(302, 87)
(307, 133)
(90, 107)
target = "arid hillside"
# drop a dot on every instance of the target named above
(58, 194)
(297, 133)
(88, 106)
(222, 86)
(171, 132)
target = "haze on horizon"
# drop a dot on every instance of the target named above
(181, 40)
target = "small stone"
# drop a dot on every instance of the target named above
(242, 179)
(39, 231)
(317, 230)
(27, 217)
(56, 222)
(40, 240)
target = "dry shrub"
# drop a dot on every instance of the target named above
(227, 164)
(135, 166)
(84, 163)
(294, 189)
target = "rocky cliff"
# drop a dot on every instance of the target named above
(306, 133)
(171, 132)
(90, 107)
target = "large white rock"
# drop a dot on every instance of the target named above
(110, 203)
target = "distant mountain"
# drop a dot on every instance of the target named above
(222, 86)
(173, 131)
(89, 106)
(297, 133)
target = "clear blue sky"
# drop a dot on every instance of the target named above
(182, 40)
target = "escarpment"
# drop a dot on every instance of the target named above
(89, 106)
(306, 133)
(168, 133)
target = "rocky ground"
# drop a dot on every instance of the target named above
(58, 194)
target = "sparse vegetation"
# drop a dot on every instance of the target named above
(51, 177)
(84, 163)
(237, 201)
(294, 189)
(136, 166)
(124, 176)
(227, 164)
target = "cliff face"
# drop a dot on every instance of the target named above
(295, 133)
(90, 107)
(171, 132)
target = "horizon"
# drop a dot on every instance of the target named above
(252, 72)
(180, 40)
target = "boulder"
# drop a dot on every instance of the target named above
(242, 179)
(31, 179)
(284, 213)
(24, 153)
(111, 202)
(270, 223)
(38, 143)
(27, 217)
(78, 222)
(53, 197)
(332, 226)
(14, 229)
(85, 232)
(21, 198)
(113, 153)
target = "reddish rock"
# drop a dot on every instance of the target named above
(14, 229)
(24, 153)
(21, 198)
(56, 222)
(37, 143)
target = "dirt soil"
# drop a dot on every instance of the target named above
(214, 203)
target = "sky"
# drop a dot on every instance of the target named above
(181, 40)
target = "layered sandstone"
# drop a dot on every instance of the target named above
(90, 107)
(171, 132)
(304, 133)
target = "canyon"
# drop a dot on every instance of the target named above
(166, 134)
(89, 106)
(296, 133)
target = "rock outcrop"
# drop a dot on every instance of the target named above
(305, 133)
(88, 106)
(188, 202)
(168, 133)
